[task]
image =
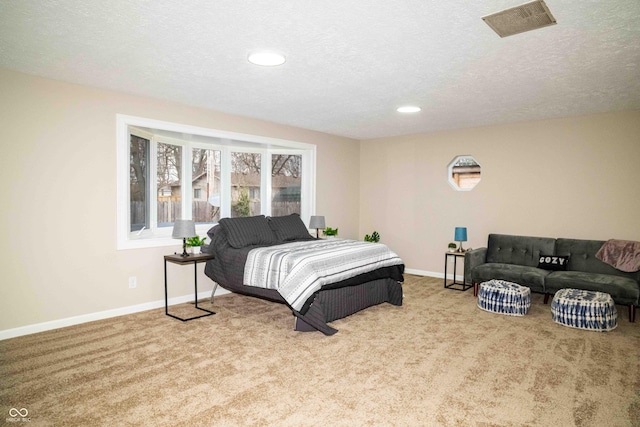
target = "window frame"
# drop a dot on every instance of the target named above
(226, 142)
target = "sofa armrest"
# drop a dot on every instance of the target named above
(472, 259)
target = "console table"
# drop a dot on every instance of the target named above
(191, 259)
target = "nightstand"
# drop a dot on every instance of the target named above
(458, 286)
(191, 259)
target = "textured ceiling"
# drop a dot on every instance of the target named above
(350, 64)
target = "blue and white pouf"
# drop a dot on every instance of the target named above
(500, 296)
(591, 310)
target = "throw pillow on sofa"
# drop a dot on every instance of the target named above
(553, 262)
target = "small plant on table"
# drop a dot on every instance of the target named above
(374, 238)
(330, 232)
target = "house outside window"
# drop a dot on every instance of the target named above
(168, 183)
(464, 173)
(206, 184)
(182, 172)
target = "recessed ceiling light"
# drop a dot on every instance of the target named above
(267, 59)
(408, 109)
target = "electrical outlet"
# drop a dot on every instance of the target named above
(133, 282)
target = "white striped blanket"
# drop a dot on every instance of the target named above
(298, 269)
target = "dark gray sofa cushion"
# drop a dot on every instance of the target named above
(623, 290)
(532, 277)
(520, 250)
(583, 257)
(585, 271)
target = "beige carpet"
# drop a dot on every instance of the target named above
(436, 361)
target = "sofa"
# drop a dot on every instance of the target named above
(570, 263)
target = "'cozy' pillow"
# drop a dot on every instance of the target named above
(553, 262)
(288, 228)
(246, 231)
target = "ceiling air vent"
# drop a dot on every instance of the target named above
(519, 19)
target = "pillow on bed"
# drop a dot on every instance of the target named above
(246, 231)
(212, 231)
(288, 228)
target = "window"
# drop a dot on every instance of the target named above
(168, 183)
(139, 175)
(464, 173)
(246, 183)
(286, 184)
(205, 177)
(177, 171)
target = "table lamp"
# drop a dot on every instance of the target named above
(317, 222)
(460, 236)
(183, 228)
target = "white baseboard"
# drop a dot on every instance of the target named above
(431, 274)
(76, 320)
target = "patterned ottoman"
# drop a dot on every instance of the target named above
(499, 296)
(590, 310)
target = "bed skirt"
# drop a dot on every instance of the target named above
(334, 304)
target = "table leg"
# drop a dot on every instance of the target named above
(195, 282)
(446, 262)
(455, 269)
(166, 296)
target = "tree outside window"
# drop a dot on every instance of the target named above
(286, 184)
(246, 181)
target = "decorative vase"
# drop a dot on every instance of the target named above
(195, 250)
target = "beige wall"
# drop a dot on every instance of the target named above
(570, 177)
(58, 254)
(574, 177)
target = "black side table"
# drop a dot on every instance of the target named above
(458, 286)
(191, 259)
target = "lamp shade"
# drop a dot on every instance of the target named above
(317, 222)
(183, 228)
(461, 234)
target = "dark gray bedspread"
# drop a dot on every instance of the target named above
(227, 269)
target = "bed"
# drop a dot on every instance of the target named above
(320, 280)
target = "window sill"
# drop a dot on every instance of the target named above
(148, 240)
